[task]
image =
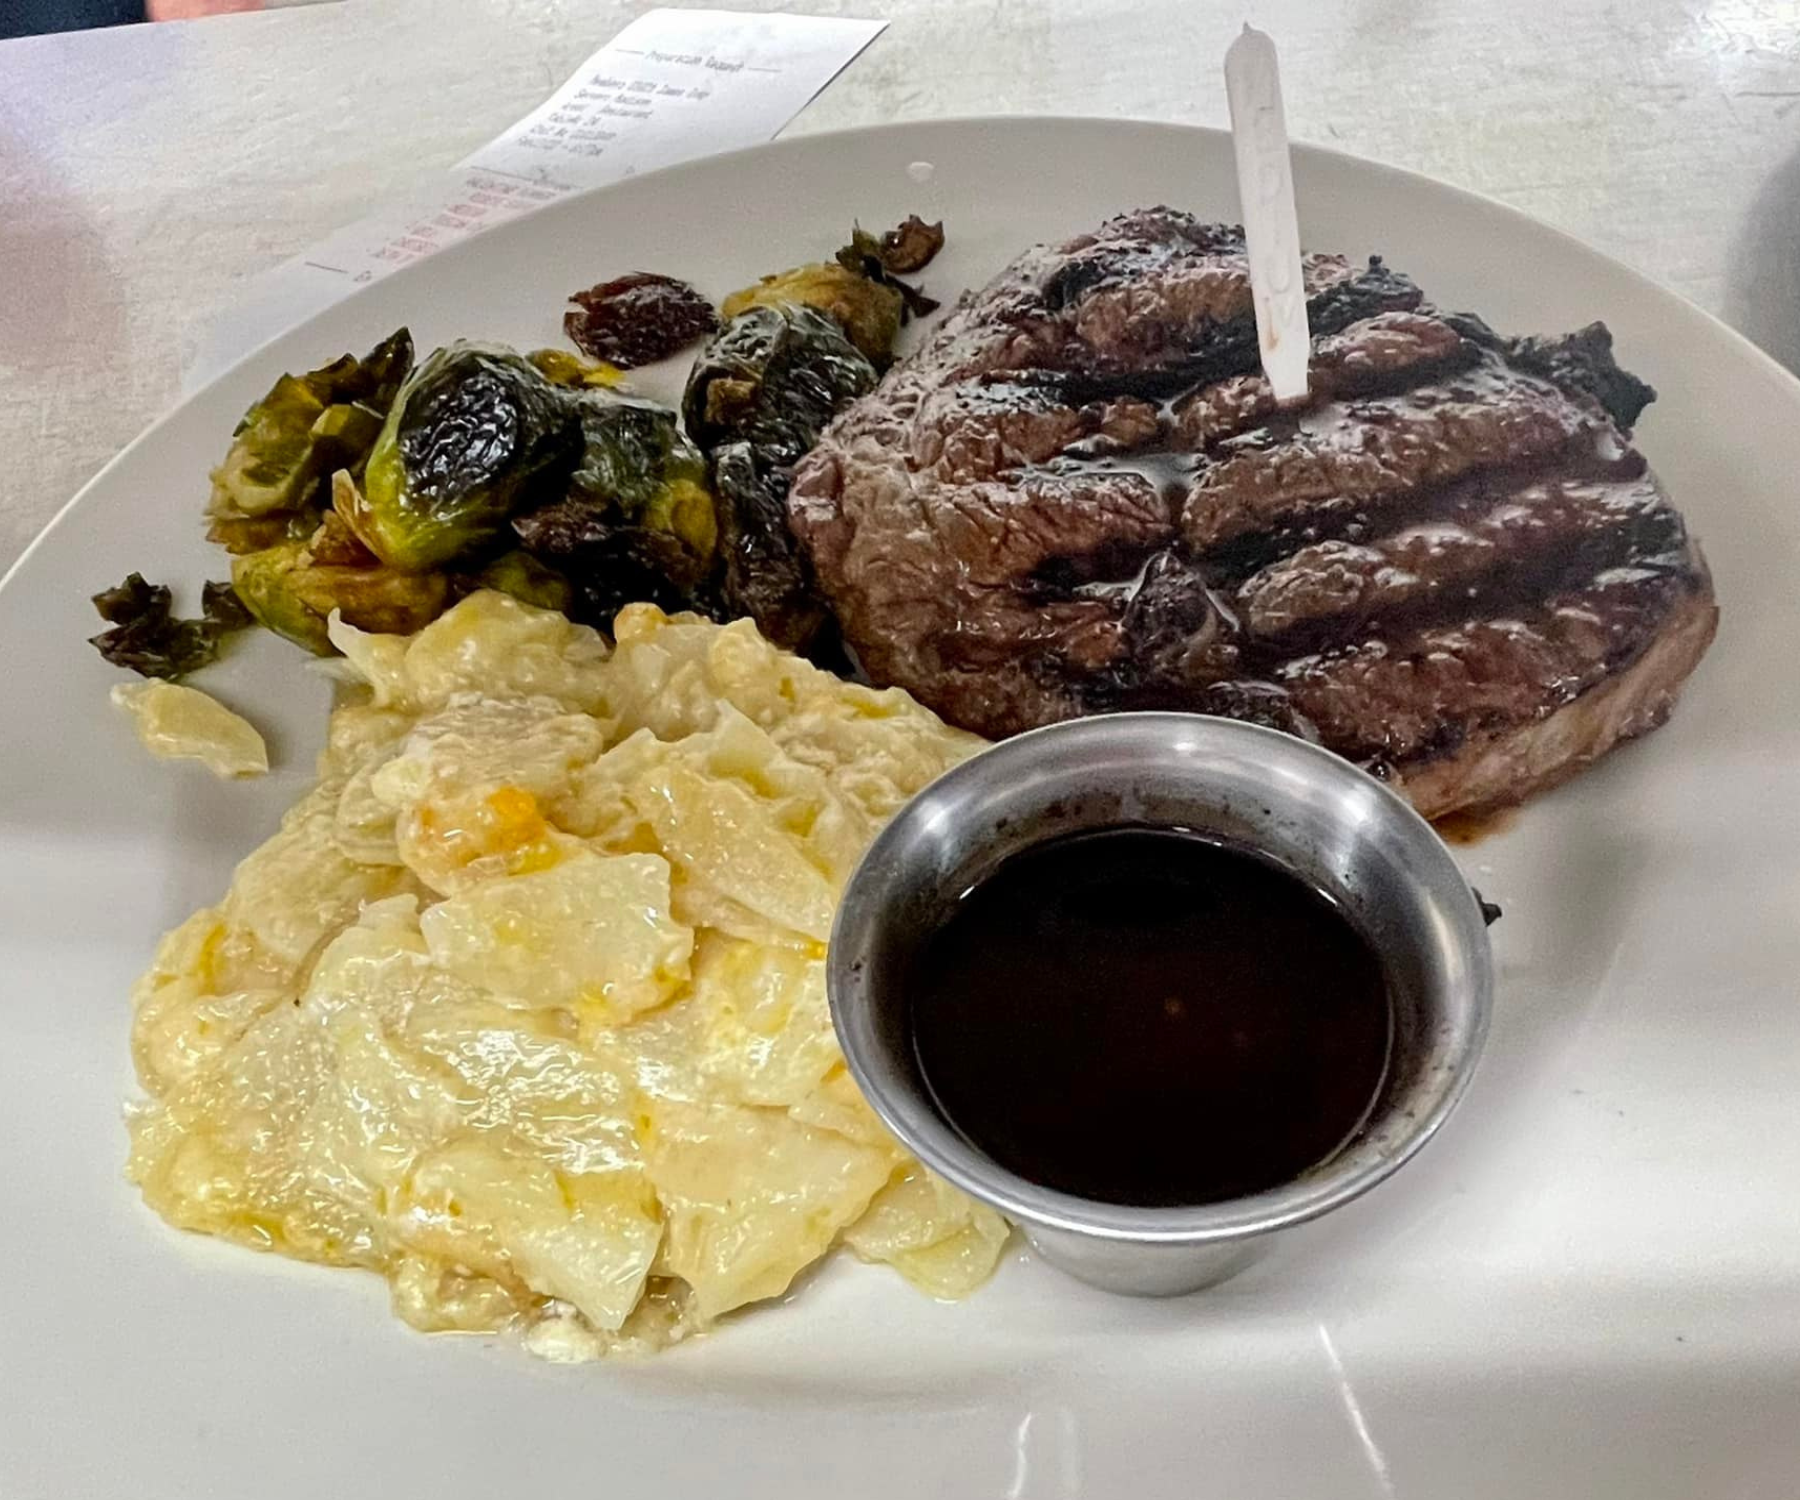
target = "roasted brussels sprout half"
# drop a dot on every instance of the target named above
(305, 428)
(868, 311)
(764, 574)
(292, 594)
(635, 460)
(637, 520)
(773, 377)
(293, 586)
(475, 434)
(760, 394)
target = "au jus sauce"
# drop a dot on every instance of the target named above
(1149, 1017)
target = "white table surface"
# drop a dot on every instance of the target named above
(148, 173)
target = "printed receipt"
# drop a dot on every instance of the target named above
(673, 85)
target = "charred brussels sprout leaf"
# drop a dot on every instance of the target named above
(760, 394)
(293, 593)
(869, 312)
(560, 367)
(133, 601)
(637, 521)
(220, 605)
(638, 319)
(383, 371)
(911, 245)
(306, 427)
(147, 638)
(867, 257)
(475, 434)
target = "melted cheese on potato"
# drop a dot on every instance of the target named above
(524, 1005)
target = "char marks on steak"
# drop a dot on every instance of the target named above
(1449, 564)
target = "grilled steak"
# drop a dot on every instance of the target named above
(1449, 565)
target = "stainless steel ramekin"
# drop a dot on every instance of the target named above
(1303, 805)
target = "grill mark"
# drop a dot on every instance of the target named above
(1483, 546)
(1371, 453)
(1421, 694)
(999, 428)
(1542, 528)
(1383, 355)
(1591, 457)
(1219, 349)
(1135, 245)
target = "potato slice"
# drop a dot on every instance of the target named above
(752, 1198)
(592, 934)
(176, 722)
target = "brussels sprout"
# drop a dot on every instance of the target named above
(634, 459)
(773, 377)
(637, 521)
(869, 311)
(475, 434)
(307, 426)
(880, 260)
(293, 593)
(760, 394)
(765, 575)
(610, 565)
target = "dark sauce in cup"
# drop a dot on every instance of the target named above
(1145, 1016)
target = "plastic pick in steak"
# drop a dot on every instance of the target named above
(1271, 226)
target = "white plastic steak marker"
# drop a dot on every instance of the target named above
(1271, 225)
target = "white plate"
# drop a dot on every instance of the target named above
(1588, 1285)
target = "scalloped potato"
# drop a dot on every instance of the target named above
(175, 722)
(524, 1005)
